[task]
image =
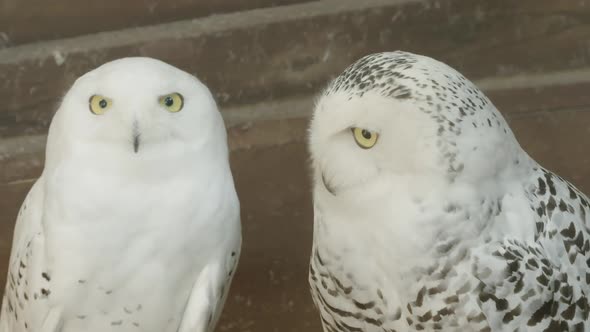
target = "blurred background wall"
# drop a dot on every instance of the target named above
(265, 61)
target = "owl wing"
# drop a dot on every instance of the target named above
(546, 281)
(25, 304)
(537, 283)
(212, 285)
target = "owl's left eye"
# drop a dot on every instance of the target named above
(366, 139)
(99, 104)
(172, 102)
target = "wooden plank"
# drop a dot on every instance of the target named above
(558, 141)
(541, 98)
(283, 121)
(24, 22)
(294, 50)
(554, 138)
(21, 158)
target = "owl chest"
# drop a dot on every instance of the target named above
(137, 281)
(352, 298)
(132, 294)
(127, 259)
(146, 302)
(110, 222)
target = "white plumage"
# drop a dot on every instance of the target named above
(430, 216)
(134, 223)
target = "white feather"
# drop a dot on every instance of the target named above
(445, 223)
(120, 238)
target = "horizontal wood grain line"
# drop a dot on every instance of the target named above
(267, 124)
(21, 22)
(271, 54)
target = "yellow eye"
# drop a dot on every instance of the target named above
(172, 102)
(99, 104)
(364, 138)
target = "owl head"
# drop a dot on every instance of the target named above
(136, 109)
(407, 116)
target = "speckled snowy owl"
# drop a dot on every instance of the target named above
(134, 223)
(430, 216)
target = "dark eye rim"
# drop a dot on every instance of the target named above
(170, 95)
(100, 103)
(373, 134)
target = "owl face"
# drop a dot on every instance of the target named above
(135, 105)
(362, 140)
(394, 117)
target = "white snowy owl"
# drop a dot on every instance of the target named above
(134, 223)
(429, 216)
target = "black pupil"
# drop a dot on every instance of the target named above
(102, 103)
(366, 134)
(169, 101)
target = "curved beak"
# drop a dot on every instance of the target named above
(135, 143)
(136, 136)
(326, 184)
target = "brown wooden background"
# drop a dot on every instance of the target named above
(283, 51)
(26, 21)
(272, 56)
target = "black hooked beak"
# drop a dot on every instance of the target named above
(327, 186)
(136, 143)
(136, 136)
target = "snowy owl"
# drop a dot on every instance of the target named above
(429, 216)
(134, 224)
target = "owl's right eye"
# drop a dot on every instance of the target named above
(99, 104)
(364, 138)
(172, 102)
